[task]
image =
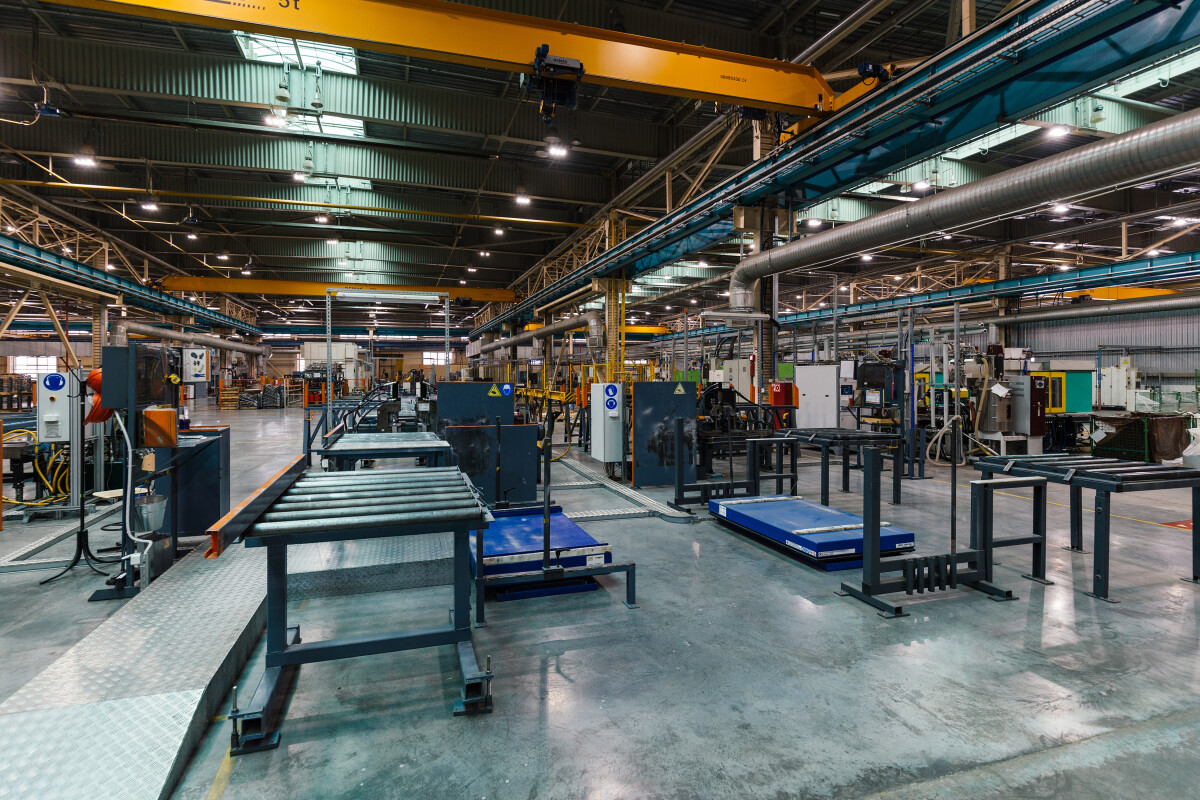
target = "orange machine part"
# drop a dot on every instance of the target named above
(160, 427)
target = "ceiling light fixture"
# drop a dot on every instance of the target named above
(108, 266)
(193, 237)
(813, 222)
(299, 177)
(498, 231)
(86, 157)
(1060, 208)
(1060, 246)
(921, 185)
(464, 283)
(1153, 253)
(868, 257)
(472, 269)
(150, 203)
(557, 150)
(223, 255)
(321, 219)
(245, 272)
(522, 197)
(1057, 131)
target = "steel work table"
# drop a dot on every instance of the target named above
(347, 448)
(298, 508)
(826, 439)
(1105, 476)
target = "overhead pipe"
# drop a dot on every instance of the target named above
(122, 329)
(1098, 309)
(840, 31)
(592, 319)
(1160, 148)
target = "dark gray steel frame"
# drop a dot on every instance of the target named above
(256, 727)
(751, 486)
(847, 439)
(439, 453)
(1104, 476)
(918, 573)
(551, 569)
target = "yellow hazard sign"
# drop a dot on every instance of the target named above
(494, 391)
(679, 389)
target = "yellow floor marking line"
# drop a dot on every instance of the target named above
(221, 782)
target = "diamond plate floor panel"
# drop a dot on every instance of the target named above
(370, 565)
(119, 714)
(660, 510)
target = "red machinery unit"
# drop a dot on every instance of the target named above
(783, 393)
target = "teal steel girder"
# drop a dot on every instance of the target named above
(1040, 55)
(1127, 273)
(43, 262)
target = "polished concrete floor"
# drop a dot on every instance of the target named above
(742, 674)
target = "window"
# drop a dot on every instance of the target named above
(279, 50)
(328, 123)
(437, 357)
(32, 365)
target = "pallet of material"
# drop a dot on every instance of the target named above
(227, 398)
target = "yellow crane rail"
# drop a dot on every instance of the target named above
(482, 37)
(184, 283)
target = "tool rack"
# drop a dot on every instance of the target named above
(295, 508)
(1105, 476)
(845, 440)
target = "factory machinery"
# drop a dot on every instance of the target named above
(122, 426)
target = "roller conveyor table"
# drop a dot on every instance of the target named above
(345, 449)
(297, 508)
(1105, 476)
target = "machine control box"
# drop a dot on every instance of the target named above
(54, 407)
(607, 401)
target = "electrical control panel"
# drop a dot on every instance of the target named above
(607, 402)
(54, 407)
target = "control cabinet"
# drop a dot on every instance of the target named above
(607, 401)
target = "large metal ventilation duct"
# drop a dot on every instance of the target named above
(121, 331)
(591, 319)
(1097, 309)
(1153, 150)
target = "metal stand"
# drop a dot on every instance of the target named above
(918, 573)
(751, 486)
(552, 570)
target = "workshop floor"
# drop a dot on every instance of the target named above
(742, 674)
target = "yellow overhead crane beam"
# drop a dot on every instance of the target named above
(652, 329)
(183, 283)
(481, 37)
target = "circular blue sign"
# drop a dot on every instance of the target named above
(54, 381)
(610, 404)
(506, 389)
(611, 391)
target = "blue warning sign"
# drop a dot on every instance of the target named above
(54, 381)
(506, 389)
(611, 390)
(610, 403)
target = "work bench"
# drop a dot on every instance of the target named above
(1105, 476)
(298, 508)
(847, 440)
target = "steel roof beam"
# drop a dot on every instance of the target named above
(127, 71)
